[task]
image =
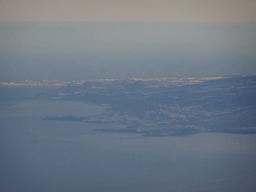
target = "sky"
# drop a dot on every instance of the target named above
(133, 10)
(123, 39)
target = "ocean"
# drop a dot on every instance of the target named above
(52, 156)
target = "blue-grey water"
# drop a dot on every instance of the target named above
(57, 156)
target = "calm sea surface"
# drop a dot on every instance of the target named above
(57, 156)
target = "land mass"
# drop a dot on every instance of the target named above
(167, 106)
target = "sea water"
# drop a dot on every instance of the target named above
(52, 156)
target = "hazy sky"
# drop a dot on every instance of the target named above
(132, 10)
(122, 39)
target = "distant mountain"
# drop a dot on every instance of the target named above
(168, 106)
